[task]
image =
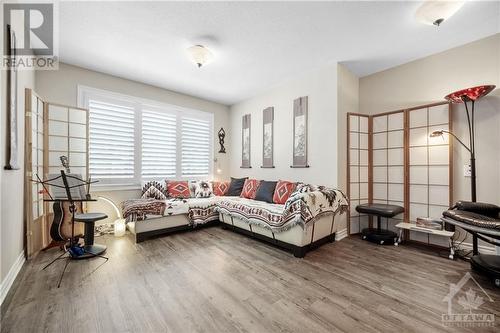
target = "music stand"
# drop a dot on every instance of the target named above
(69, 184)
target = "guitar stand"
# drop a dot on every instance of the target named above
(69, 258)
(73, 241)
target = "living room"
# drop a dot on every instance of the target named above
(273, 166)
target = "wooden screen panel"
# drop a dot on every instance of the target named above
(67, 135)
(35, 211)
(429, 166)
(358, 166)
(388, 149)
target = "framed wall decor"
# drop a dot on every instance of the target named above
(300, 133)
(245, 142)
(12, 140)
(268, 138)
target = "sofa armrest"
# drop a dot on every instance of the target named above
(482, 208)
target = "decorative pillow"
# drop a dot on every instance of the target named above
(153, 190)
(220, 188)
(283, 191)
(236, 186)
(250, 188)
(192, 188)
(178, 189)
(266, 191)
(203, 189)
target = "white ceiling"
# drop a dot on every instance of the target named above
(256, 44)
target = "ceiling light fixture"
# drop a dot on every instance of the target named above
(435, 12)
(200, 55)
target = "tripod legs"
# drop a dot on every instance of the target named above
(53, 261)
(68, 259)
(64, 271)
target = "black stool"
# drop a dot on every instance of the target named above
(379, 235)
(89, 247)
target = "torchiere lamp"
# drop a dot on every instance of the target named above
(465, 96)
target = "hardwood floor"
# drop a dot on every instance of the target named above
(214, 280)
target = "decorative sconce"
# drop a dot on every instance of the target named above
(222, 135)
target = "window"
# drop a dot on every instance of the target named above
(159, 144)
(195, 147)
(134, 140)
(111, 140)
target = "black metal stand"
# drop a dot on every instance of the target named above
(88, 251)
(472, 150)
(379, 235)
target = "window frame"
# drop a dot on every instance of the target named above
(86, 93)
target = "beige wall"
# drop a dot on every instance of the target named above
(321, 88)
(347, 101)
(429, 80)
(61, 87)
(12, 188)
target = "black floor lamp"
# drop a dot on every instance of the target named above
(465, 96)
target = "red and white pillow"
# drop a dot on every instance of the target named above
(220, 188)
(250, 188)
(178, 189)
(283, 191)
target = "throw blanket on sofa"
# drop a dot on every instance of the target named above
(137, 209)
(202, 210)
(304, 206)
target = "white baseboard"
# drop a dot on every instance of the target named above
(341, 234)
(482, 249)
(11, 276)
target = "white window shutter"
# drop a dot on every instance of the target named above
(111, 127)
(159, 142)
(195, 147)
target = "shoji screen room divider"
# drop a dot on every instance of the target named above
(398, 163)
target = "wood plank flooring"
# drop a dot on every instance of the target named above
(214, 280)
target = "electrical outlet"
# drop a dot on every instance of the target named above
(467, 170)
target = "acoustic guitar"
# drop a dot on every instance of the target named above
(60, 230)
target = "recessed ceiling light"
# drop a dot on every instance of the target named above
(434, 12)
(200, 55)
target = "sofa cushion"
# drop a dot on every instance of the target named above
(236, 186)
(250, 188)
(202, 189)
(153, 190)
(178, 189)
(265, 192)
(283, 191)
(220, 188)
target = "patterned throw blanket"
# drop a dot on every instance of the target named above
(202, 210)
(307, 204)
(137, 209)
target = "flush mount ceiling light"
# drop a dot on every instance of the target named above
(200, 55)
(433, 12)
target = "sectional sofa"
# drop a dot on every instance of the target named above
(304, 221)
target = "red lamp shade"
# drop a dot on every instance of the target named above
(471, 94)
